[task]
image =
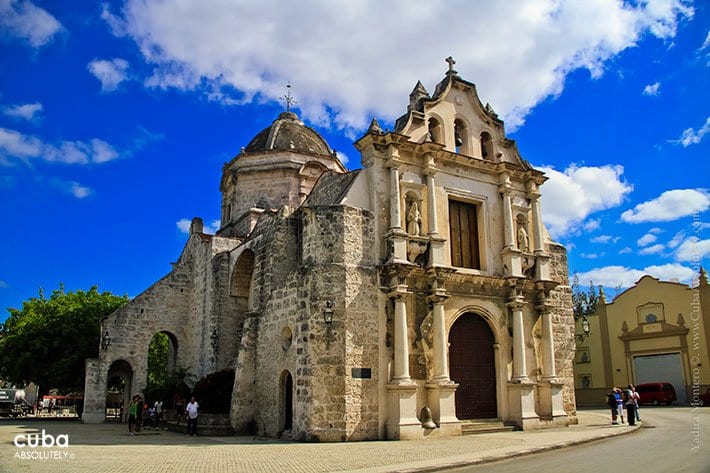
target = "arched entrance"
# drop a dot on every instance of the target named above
(119, 384)
(472, 366)
(286, 402)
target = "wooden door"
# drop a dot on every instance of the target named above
(472, 366)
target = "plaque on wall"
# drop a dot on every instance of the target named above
(362, 373)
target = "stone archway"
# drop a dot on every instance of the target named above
(285, 402)
(119, 387)
(472, 366)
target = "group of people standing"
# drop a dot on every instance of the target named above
(624, 399)
(140, 414)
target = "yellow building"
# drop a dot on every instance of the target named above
(653, 331)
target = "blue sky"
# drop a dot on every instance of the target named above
(115, 119)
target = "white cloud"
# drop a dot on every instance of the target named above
(212, 227)
(80, 191)
(110, 73)
(671, 205)
(652, 250)
(244, 51)
(647, 239)
(693, 250)
(652, 89)
(591, 255)
(71, 187)
(184, 226)
(604, 239)
(706, 43)
(3, 284)
(676, 240)
(656, 230)
(14, 144)
(622, 276)
(569, 197)
(625, 251)
(692, 137)
(28, 111)
(343, 158)
(591, 225)
(25, 20)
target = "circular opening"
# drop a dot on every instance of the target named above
(286, 338)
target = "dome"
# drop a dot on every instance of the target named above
(288, 133)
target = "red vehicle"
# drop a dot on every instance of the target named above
(704, 399)
(656, 393)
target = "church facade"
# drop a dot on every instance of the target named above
(352, 304)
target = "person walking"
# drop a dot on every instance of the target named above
(132, 414)
(619, 403)
(628, 398)
(611, 402)
(158, 406)
(191, 412)
(637, 398)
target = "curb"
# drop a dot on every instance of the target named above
(505, 456)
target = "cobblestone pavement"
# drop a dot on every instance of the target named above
(107, 448)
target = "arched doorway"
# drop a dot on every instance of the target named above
(119, 384)
(162, 362)
(472, 366)
(286, 398)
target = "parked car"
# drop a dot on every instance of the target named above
(656, 393)
(704, 399)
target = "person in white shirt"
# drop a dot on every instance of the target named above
(191, 412)
(158, 414)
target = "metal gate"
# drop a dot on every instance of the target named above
(472, 366)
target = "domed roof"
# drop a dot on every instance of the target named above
(288, 133)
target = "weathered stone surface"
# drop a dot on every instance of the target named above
(297, 292)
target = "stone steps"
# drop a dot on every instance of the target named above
(484, 426)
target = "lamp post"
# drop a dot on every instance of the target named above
(328, 313)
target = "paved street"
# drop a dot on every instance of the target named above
(672, 439)
(108, 448)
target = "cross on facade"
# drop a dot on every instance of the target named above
(288, 98)
(451, 62)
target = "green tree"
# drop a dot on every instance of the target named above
(48, 340)
(584, 302)
(158, 360)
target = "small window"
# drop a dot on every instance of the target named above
(463, 227)
(651, 318)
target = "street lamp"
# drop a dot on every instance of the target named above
(328, 313)
(579, 337)
(105, 341)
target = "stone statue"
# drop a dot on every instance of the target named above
(414, 220)
(523, 240)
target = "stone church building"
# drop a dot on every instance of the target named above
(348, 301)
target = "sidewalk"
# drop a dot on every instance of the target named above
(108, 448)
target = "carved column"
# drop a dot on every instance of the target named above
(519, 364)
(441, 358)
(551, 402)
(402, 422)
(400, 373)
(548, 353)
(431, 201)
(534, 196)
(395, 212)
(511, 254)
(508, 226)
